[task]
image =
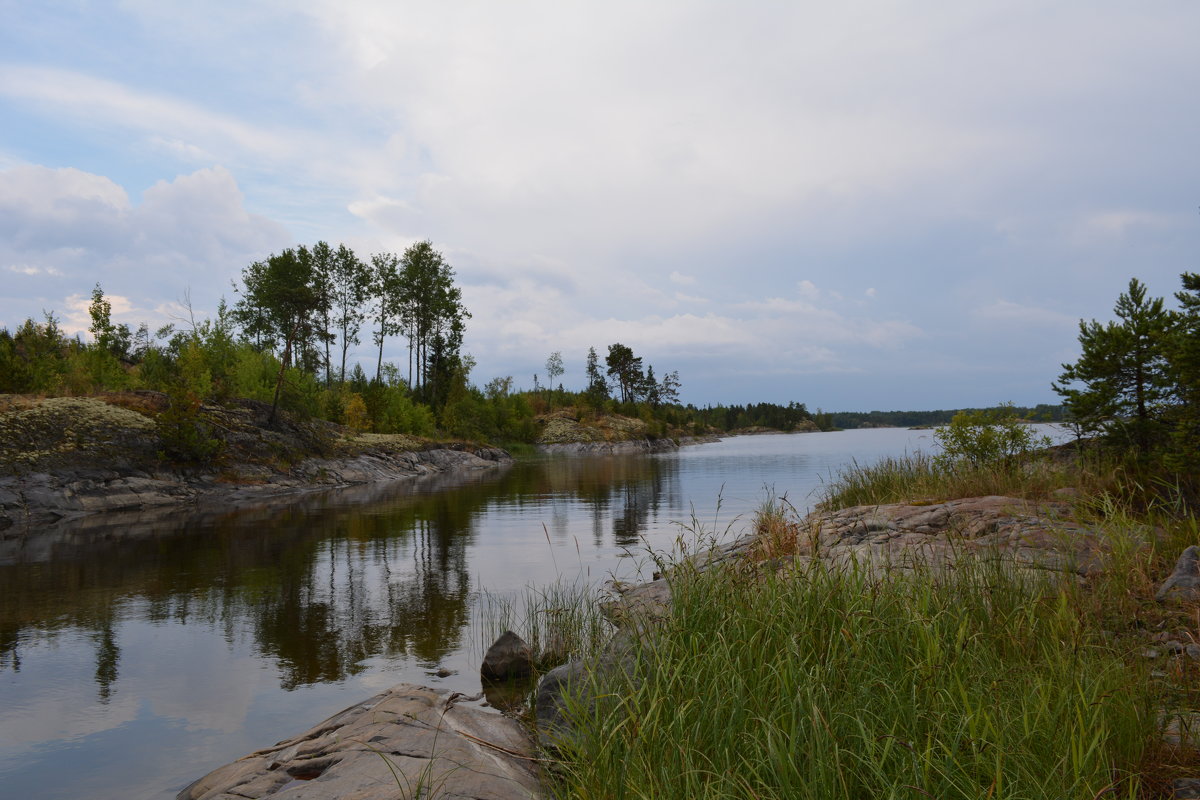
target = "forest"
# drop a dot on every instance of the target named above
(287, 341)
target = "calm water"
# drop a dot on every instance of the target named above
(135, 657)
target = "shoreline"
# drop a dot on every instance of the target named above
(65, 495)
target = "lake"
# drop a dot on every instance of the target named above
(135, 657)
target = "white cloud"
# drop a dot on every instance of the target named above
(683, 280)
(190, 234)
(26, 269)
(96, 101)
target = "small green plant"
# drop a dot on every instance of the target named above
(185, 435)
(986, 436)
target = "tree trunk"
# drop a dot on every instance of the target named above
(379, 364)
(287, 355)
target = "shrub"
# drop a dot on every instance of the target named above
(986, 436)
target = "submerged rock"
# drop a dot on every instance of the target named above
(410, 741)
(509, 657)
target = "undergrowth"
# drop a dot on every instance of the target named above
(778, 677)
(817, 683)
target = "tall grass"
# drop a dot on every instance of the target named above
(558, 621)
(821, 683)
(919, 478)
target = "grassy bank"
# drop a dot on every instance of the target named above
(820, 684)
(979, 682)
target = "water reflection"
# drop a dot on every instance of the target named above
(144, 650)
(321, 586)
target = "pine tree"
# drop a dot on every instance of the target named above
(1184, 352)
(1123, 370)
(597, 386)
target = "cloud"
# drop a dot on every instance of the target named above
(580, 165)
(96, 101)
(63, 230)
(1102, 227)
(26, 269)
(1009, 313)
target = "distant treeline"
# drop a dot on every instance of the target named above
(908, 419)
(755, 415)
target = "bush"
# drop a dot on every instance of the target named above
(986, 436)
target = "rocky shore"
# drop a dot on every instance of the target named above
(446, 740)
(409, 741)
(624, 447)
(69, 458)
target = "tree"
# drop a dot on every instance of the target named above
(649, 388)
(113, 339)
(433, 316)
(1183, 351)
(668, 389)
(279, 305)
(554, 370)
(597, 386)
(349, 284)
(388, 290)
(1123, 369)
(626, 370)
(321, 259)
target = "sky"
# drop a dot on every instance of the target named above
(874, 205)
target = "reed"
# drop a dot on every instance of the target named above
(822, 683)
(559, 621)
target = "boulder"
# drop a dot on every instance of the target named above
(509, 657)
(1184, 582)
(578, 682)
(410, 741)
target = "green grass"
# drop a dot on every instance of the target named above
(813, 683)
(919, 478)
(559, 621)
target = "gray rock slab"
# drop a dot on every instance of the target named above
(410, 741)
(1184, 582)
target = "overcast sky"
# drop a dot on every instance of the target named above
(876, 205)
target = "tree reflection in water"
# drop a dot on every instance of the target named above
(320, 585)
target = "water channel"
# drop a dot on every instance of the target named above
(135, 656)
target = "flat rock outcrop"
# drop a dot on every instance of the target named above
(630, 446)
(1039, 535)
(1030, 535)
(409, 741)
(65, 493)
(66, 458)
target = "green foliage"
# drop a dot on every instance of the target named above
(392, 409)
(626, 371)
(1121, 384)
(186, 436)
(755, 415)
(281, 300)
(34, 359)
(1183, 352)
(984, 437)
(112, 339)
(597, 387)
(827, 683)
